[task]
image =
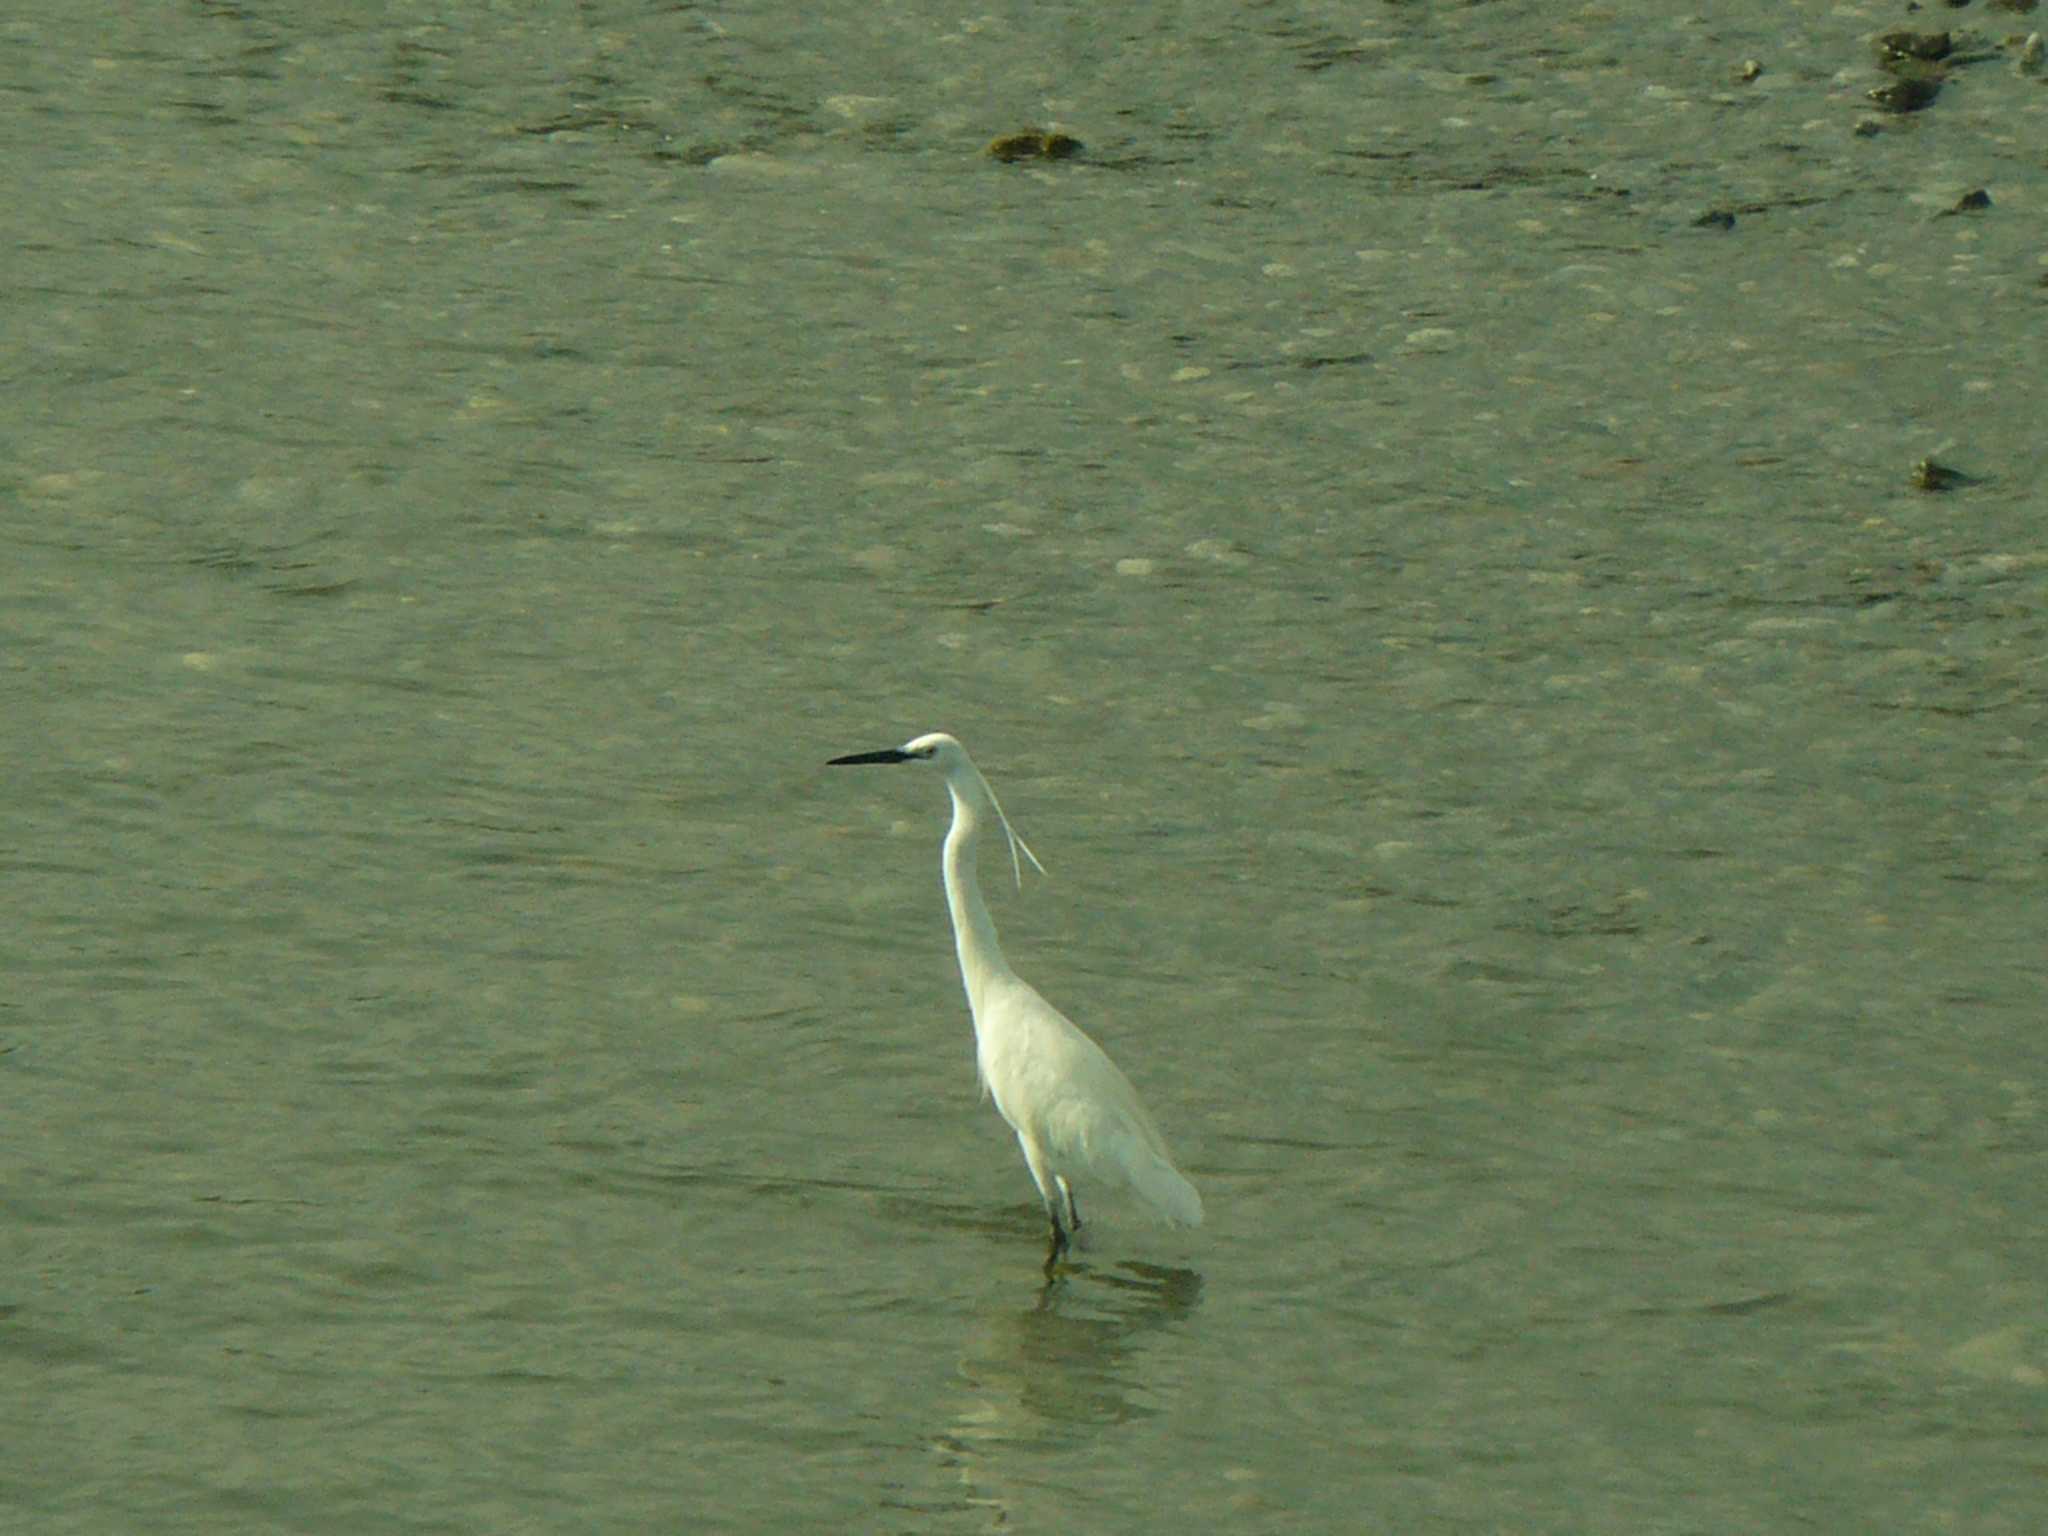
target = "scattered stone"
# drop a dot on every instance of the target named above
(1034, 144)
(1930, 476)
(1907, 95)
(1915, 45)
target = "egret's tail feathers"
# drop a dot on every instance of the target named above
(1122, 1149)
(1161, 1186)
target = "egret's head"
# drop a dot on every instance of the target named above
(961, 775)
(937, 748)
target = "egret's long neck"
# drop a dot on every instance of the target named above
(974, 931)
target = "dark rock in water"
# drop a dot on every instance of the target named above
(1907, 95)
(1034, 144)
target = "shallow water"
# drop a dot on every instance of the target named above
(1547, 812)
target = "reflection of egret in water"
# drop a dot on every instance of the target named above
(1043, 1377)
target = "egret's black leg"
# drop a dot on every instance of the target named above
(1067, 1198)
(1059, 1242)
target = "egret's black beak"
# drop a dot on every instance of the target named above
(886, 755)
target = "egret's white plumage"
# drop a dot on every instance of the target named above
(1074, 1113)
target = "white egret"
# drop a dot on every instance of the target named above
(1074, 1113)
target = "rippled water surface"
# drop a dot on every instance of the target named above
(1419, 523)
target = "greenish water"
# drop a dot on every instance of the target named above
(1547, 812)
